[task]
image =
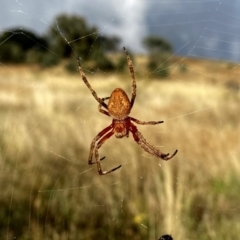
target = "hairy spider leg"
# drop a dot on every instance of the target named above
(99, 144)
(138, 137)
(89, 86)
(134, 85)
(92, 146)
(100, 107)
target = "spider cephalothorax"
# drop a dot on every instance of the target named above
(119, 107)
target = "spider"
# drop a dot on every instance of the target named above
(119, 107)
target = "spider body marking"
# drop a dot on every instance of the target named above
(121, 127)
(119, 107)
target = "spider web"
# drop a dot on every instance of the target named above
(49, 118)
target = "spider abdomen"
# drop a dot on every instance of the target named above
(119, 105)
(121, 127)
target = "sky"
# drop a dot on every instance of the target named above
(197, 28)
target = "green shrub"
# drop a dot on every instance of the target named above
(157, 69)
(17, 43)
(103, 63)
(11, 53)
(183, 68)
(49, 60)
(71, 66)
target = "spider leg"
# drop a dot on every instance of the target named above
(138, 137)
(101, 134)
(145, 123)
(99, 144)
(89, 86)
(100, 107)
(134, 85)
(106, 98)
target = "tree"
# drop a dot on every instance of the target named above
(157, 45)
(67, 36)
(73, 29)
(70, 35)
(16, 44)
(158, 49)
(110, 43)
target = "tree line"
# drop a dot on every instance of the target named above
(68, 36)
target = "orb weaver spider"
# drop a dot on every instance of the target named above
(119, 107)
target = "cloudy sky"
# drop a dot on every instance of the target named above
(203, 28)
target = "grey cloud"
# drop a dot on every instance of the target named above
(195, 28)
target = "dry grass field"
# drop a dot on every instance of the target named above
(48, 119)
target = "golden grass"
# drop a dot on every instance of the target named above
(48, 120)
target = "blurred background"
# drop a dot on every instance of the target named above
(186, 60)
